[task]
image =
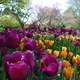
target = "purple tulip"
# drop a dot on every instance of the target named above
(20, 34)
(29, 58)
(18, 65)
(29, 44)
(49, 65)
(55, 31)
(12, 38)
(4, 51)
(70, 31)
(18, 71)
(39, 52)
(77, 42)
(28, 34)
(2, 40)
(60, 65)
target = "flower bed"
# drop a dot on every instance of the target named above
(35, 54)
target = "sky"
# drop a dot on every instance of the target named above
(61, 4)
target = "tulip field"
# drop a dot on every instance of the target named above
(40, 54)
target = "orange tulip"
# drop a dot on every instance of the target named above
(64, 54)
(46, 41)
(43, 46)
(40, 42)
(36, 41)
(56, 53)
(68, 72)
(74, 59)
(78, 60)
(66, 63)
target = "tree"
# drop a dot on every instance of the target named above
(16, 8)
(75, 6)
(69, 18)
(49, 16)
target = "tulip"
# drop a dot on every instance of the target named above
(77, 42)
(57, 32)
(4, 51)
(29, 58)
(46, 41)
(18, 65)
(78, 60)
(20, 33)
(68, 72)
(18, 71)
(28, 34)
(64, 49)
(29, 44)
(40, 42)
(36, 41)
(49, 65)
(64, 54)
(39, 52)
(60, 65)
(48, 51)
(56, 53)
(70, 54)
(43, 46)
(66, 63)
(12, 39)
(74, 60)
(50, 42)
(2, 40)
(22, 41)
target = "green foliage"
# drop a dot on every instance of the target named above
(4, 1)
(20, 3)
(17, 9)
(7, 20)
(1, 28)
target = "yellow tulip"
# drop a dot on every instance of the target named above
(21, 46)
(22, 40)
(56, 53)
(70, 54)
(49, 51)
(50, 42)
(64, 49)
